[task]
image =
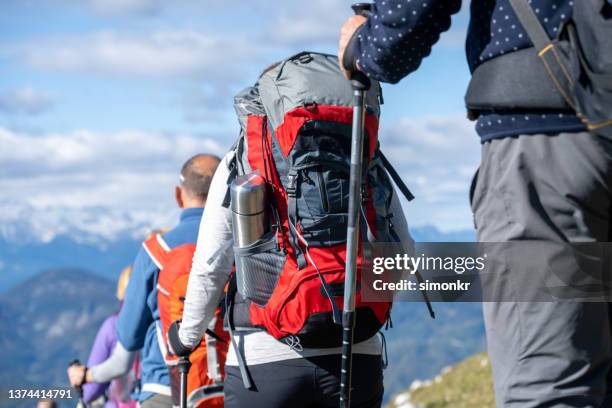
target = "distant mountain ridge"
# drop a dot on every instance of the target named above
(50, 308)
(429, 233)
(20, 261)
(99, 240)
(47, 321)
(54, 316)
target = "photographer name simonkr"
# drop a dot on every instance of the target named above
(427, 285)
(423, 263)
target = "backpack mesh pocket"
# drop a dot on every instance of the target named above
(258, 267)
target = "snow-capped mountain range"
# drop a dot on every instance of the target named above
(22, 223)
(99, 239)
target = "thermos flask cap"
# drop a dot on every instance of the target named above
(248, 194)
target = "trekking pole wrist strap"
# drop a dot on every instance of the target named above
(84, 378)
(175, 342)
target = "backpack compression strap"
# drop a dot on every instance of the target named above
(396, 177)
(292, 210)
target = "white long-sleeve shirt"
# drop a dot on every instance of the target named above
(207, 282)
(119, 363)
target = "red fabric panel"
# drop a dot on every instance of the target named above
(286, 133)
(172, 284)
(254, 145)
(298, 292)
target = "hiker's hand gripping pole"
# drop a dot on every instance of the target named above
(183, 364)
(360, 84)
(79, 388)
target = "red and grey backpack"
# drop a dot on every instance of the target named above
(205, 379)
(296, 134)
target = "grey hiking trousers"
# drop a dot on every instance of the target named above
(549, 188)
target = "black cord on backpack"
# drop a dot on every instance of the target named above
(229, 305)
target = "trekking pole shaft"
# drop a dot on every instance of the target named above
(352, 236)
(183, 367)
(183, 390)
(346, 367)
(81, 400)
(352, 240)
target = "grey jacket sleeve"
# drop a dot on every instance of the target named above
(118, 364)
(212, 261)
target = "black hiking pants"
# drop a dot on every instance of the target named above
(305, 383)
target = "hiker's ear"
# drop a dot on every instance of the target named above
(178, 195)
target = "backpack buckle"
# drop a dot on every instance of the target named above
(292, 184)
(365, 195)
(310, 105)
(305, 58)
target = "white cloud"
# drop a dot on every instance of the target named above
(127, 177)
(436, 157)
(319, 22)
(126, 7)
(24, 100)
(292, 24)
(274, 28)
(127, 170)
(161, 53)
(91, 184)
(98, 152)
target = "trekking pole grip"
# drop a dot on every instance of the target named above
(79, 388)
(362, 9)
(359, 80)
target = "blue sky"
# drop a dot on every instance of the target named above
(102, 100)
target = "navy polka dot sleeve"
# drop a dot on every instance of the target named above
(399, 34)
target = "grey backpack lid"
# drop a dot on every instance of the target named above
(308, 78)
(247, 102)
(303, 79)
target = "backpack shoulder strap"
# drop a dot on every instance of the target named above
(396, 177)
(531, 24)
(157, 249)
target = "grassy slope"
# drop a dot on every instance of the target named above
(466, 385)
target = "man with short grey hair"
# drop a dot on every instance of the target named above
(138, 325)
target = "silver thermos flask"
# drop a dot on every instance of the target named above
(249, 215)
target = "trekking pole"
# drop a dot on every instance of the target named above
(183, 368)
(360, 84)
(183, 364)
(79, 388)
